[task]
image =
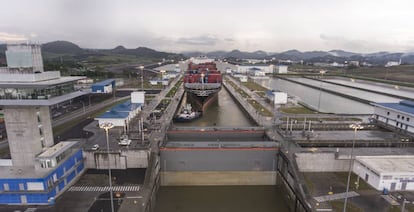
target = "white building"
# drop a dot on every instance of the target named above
(198, 60)
(277, 97)
(242, 78)
(138, 97)
(256, 72)
(281, 69)
(399, 116)
(245, 69)
(393, 63)
(391, 172)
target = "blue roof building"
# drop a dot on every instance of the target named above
(120, 114)
(55, 170)
(399, 116)
(106, 86)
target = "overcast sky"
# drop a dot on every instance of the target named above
(187, 25)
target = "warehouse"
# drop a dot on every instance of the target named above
(106, 86)
(276, 97)
(390, 172)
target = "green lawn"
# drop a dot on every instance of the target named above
(297, 110)
(261, 110)
(254, 86)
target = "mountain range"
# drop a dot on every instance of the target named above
(59, 49)
(337, 55)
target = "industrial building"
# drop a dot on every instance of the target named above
(106, 86)
(393, 172)
(399, 116)
(277, 97)
(121, 114)
(38, 170)
(281, 69)
(246, 69)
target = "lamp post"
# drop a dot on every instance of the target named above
(356, 126)
(142, 77)
(320, 89)
(162, 77)
(106, 126)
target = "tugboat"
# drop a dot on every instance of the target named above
(187, 114)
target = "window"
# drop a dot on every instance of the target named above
(408, 119)
(402, 118)
(6, 186)
(398, 116)
(387, 177)
(21, 186)
(388, 113)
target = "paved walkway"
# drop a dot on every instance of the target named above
(104, 188)
(337, 196)
(390, 200)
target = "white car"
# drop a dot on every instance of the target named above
(95, 147)
(125, 142)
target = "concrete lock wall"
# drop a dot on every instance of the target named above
(218, 167)
(321, 162)
(211, 178)
(218, 160)
(119, 160)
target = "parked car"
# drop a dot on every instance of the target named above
(95, 147)
(125, 142)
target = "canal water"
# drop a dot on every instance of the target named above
(328, 103)
(370, 96)
(220, 199)
(375, 86)
(222, 113)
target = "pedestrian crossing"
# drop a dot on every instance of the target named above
(104, 188)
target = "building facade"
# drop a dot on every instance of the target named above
(106, 86)
(391, 172)
(54, 170)
(39, 170)
(398, 116)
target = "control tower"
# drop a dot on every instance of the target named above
(37, 164)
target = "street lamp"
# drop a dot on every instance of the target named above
(107, 126)
(356, 126)
(320, 89)
(142, 77)
(162, 77)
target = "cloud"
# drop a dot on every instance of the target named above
(10, 37)
(203, 40)
(342, 42)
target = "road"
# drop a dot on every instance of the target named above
(86, 111)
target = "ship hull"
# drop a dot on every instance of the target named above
(200, 103)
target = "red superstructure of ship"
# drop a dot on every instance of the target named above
(202, 82)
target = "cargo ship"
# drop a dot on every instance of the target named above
(202, 82)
